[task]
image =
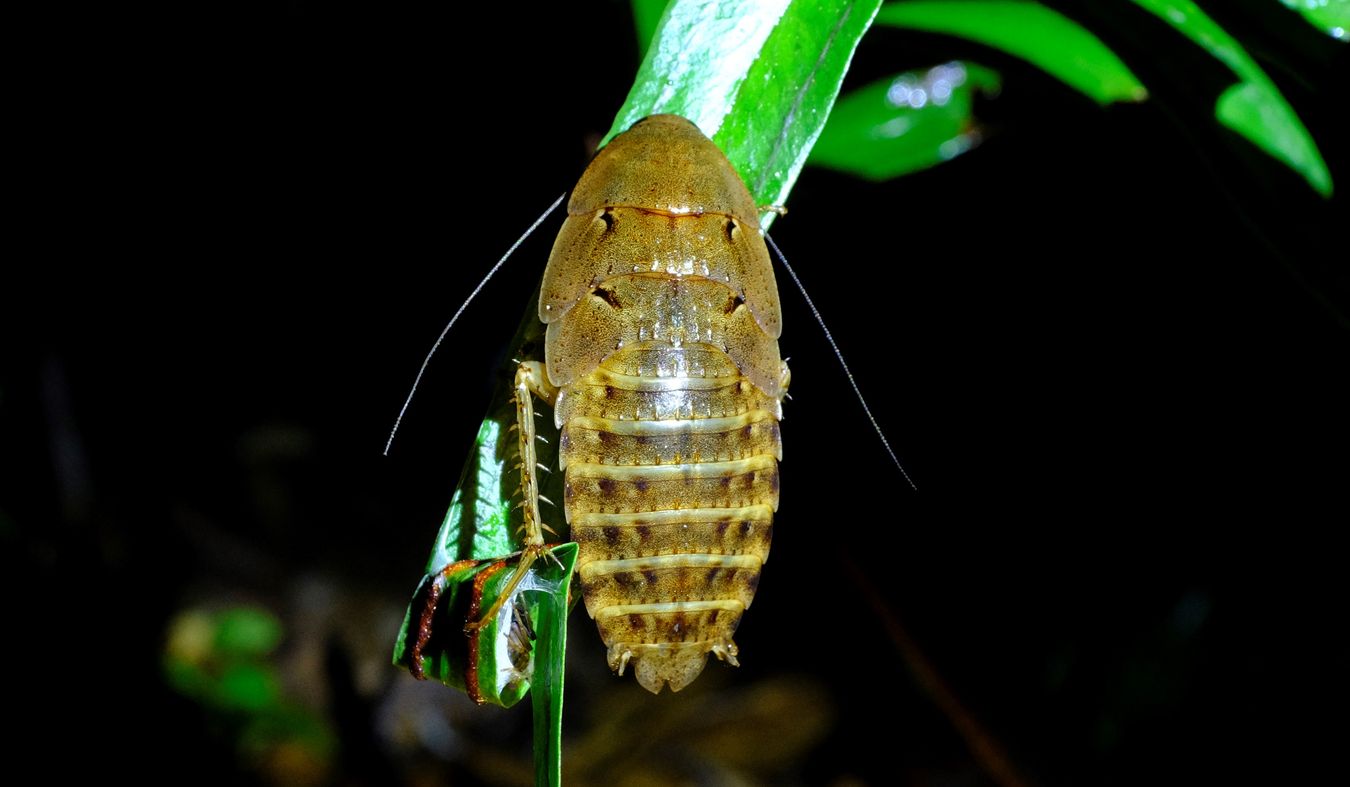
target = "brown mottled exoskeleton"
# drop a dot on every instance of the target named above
(662, 367)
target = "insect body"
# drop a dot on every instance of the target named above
(663, 368)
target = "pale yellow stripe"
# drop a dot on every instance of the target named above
(629, 382)
(674, 426)
(734, 467)
(729, 605)
(606, 567)
(683, 516)
(639, 648)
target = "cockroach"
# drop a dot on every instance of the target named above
(663, 371)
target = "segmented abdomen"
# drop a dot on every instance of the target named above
(671, 461)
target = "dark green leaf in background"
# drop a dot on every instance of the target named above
(1330, 16)
(646, 18)
(1254, 107)
(247, 631)
(227, 660)
(904, 124)
(1043, 37)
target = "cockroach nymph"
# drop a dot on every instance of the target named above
(663, 371)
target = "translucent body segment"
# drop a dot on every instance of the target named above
(588, 439)
(632, 308)
(660, 359)
(735, 397)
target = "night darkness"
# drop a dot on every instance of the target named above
(1110, 345)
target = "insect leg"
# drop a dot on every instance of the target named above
(531, 381)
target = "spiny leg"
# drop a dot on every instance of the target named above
(531, 380)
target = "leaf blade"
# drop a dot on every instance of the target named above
(480, 529)
(696, 61)
(1255, 108)
(550, 660)
(1332, 18)
(646, 18)
(1029, 31)
(904, 124)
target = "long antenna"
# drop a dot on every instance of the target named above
(426, 361)
(828, 337)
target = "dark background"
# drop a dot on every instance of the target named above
(1109, 344)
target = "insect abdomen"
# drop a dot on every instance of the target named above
(671, 460)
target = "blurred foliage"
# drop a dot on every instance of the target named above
(1330, 16)
(757, 734)
(1255, 107)
(1030, 31)
(907, 123)
(225, 659)
(646, 16)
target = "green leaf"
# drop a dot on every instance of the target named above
(434, 625)
(1330, 16)
(757, 76)
(646, 17)
(497, 663)
(1032, 32)
(1248, 110)
(904, 124)
(478, 535)
(550, 658)
(247, 631)
(1254, 108)
(477, 524)
(482, 521)
(247, 687)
